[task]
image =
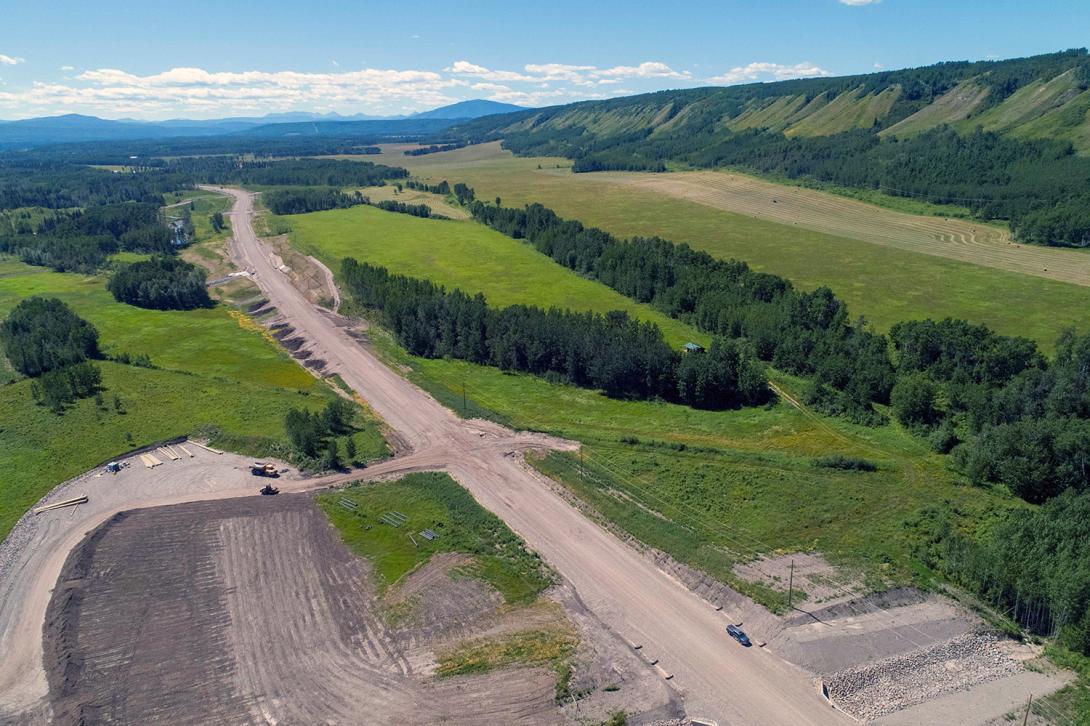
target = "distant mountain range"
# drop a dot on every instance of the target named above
(76, 127)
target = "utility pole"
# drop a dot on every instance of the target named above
(791, 585)
(1029, 703)
(463, 397)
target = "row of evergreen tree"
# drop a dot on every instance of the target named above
(27, 181)
(805, 333)
(611, 352)
(434, 148)
(463, 193)
(300, 200)
(1007, 414)
(413, 210)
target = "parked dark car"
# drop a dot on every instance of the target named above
(735, 632)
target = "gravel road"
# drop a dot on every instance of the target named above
(628, 592)
(717, 678)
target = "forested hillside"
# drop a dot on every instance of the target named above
(1009, 139)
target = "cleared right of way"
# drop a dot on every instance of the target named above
(719, 678)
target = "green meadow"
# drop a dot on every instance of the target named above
(718, 488)
(466, 255)
(435, 502)
(215, 372)
(885, 285)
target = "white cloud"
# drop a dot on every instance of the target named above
(196, 92)
(769, 71)
(465, 68)
(857, 3)
(643, 70)
(581, 75)
(8, 60)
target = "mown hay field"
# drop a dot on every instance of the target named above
(885, 282)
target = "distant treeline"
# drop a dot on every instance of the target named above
(299, 200)
(286, 172)
(61, 186)
(434, 148)
(613, 353)
(83, 240)
(415, 210)
(1007, 415)
(65, 186)
(161, 283)
(149, 152)
(463, 193)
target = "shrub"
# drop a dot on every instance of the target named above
(43, 334)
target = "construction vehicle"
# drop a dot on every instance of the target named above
(260, 469)
(268, 490)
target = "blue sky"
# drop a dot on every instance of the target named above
(199, 59)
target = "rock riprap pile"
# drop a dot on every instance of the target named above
(885, 686)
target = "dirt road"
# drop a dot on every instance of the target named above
(718, 678)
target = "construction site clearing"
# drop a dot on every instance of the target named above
(253, 611)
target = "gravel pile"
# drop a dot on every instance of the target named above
(889, 685)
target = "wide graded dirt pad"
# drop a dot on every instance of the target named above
(251, 610)
(32, 555)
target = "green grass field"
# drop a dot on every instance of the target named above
(208, 342)
(433, 501)
(749, 474)
(217, 372)
(467, 255)
(885, 285)
(715, 488)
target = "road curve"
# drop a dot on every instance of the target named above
(625, 589)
